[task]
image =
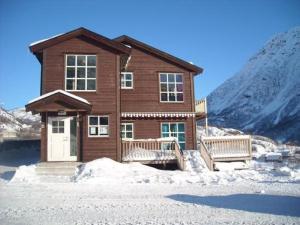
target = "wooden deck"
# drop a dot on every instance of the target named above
(152, 151)
(225, 149)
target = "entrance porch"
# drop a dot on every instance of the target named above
(61, 128)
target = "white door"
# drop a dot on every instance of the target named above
(59, 139)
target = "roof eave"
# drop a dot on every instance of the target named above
(131, 41)
(77, 32)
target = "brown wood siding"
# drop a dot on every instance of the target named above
(145, 95)
(144, 129)
(103, 100)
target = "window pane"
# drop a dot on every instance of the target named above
(179, 97)
(171, 87)
(93, 120)
(163, 77)
(122, 83)
(123, 135)
(103, 130)
(80, 60)
(91, 60)
(91, 84)
(128, 76)
(54, 123)
(171, 78)
(181, 137)
(122, 127)
(164, 96)
(54, 130)
(70, 84)
(71, 60)
(181, 127)
(104, 120)
(165, 128)
(70, 72)
(91, 72)
(182, 145)
(61, 123)
(163, 87)
(179, 87)
(129, 127)
(81, 72)
(178, 78)
(129, 135)
(165, 135)
(93, 130)
(173, 127)
(80, 84)
(171, 97)
(61, 130)
(122, 77)
(128, 84)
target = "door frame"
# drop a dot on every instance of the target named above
(49, 132)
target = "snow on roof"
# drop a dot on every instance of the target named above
(62, 92)
(46, 39)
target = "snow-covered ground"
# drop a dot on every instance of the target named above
(107, 192)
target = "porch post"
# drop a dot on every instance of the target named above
(78, 138)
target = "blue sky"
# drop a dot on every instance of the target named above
(217, 35)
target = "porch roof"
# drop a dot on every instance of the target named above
(58, 100)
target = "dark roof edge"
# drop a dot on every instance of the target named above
(131, 41)
(35, 48)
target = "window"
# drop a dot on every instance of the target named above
(80, 73)
(171, 87)
(58, 127)
(127, 130)
(98, 126)
(126, 80)
(174, 130)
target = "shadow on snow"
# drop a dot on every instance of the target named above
(258, 203)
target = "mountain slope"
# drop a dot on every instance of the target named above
(19, 122)
(264, 96)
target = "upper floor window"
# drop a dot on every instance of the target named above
(126, 80)
(98, 126)
(171, 87)
(80, 73)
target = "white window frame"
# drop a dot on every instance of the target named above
(175, 83)
(132, 130)
(123, 74)
(98, 126)
(76, 78)
(177, 132)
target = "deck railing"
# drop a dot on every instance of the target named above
(225, 148)
(152, 150)
(200, 106)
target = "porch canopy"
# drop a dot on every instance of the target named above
(58, 100)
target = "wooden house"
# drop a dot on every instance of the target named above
(104, 97)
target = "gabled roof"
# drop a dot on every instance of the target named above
(38, 46)
(61, 97)
(126, 40)
(59, 91)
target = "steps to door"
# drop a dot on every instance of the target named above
(56, 168)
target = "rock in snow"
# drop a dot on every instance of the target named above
(264, 97)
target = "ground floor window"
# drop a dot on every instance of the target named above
(174, 129)
(98, 126)
(127, 130)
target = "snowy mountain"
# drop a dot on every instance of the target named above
(264, 97)
(19, 123)
(8, 121)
